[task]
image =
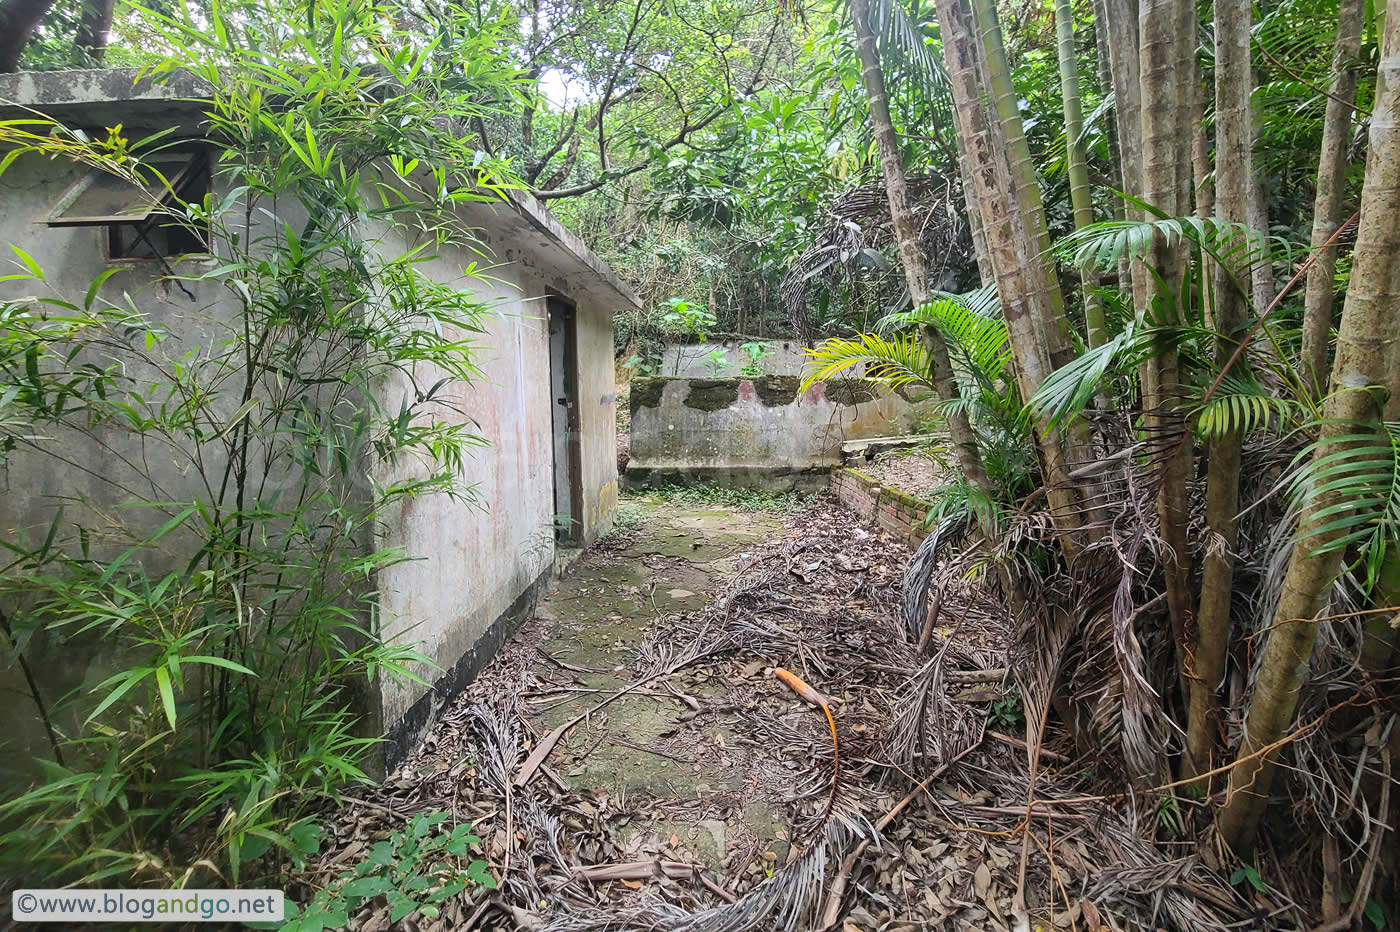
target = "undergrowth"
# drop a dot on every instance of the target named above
(227, 604)
(741, 499)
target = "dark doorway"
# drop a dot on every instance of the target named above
(563, 390)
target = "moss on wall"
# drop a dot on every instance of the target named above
(777, 390)
(712, 394)
(773, 391)
(646, 392)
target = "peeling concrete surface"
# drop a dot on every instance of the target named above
(765, 432)
(702, 785)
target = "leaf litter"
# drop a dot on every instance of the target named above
(929, 828)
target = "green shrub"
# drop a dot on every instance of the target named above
(235, 607)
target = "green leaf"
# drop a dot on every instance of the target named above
(167, 695)
(128, 678)
(366, 887)
(218, 662)
(399, 906)
(29, 262)
(96, 286)
(305, 838)
(479, 873)
(252, 848)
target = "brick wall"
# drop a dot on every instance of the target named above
(891, 510)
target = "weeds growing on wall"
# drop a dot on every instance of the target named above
(255, 427)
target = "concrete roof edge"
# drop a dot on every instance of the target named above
(542, 220)
(87, 86)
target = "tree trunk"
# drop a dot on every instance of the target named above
(1080, 194)
(1233, 170)
(906, 238)
(1165, 29)
(1014, 251)
(94, 28)
(1111, 124)
(17, 21)
(1327, 206)
(1366, 345)
(1119, 24)
(1073, 504)
(1006, 107)
(1204, 194)
(1262, 273)
(985, 275)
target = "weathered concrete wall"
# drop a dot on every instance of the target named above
(692, 360)
(476, 565)
(763, 432)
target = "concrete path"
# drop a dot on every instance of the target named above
(697, 789)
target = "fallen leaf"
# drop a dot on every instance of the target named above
(982, 878)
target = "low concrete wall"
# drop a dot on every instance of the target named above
(692, 360)
(764, 432)
(891, 510)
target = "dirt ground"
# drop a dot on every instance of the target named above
(913, 472)
(631, 761)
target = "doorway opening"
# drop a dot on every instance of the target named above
(563, 390)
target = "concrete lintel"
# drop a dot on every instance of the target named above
(871, 446)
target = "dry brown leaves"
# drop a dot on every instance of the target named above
(823, 601)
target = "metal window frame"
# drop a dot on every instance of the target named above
(53, 217)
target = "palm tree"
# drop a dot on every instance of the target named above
(1168, 30)
(1331, 186)
(907, 240)
(1331, 519)
(1233, 171)
(1035, 323)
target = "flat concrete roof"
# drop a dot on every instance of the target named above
(104, 97)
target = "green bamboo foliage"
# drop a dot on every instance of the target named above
(241, 621)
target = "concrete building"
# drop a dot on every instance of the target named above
(545, 400)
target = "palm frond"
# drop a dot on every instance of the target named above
(1235, 246)
(906, 53)
(896, 362)
(1069, 389)
(960, 501)
(1357, 477)
(1241, 404)
(971, 323)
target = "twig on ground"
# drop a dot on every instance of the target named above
(645, 870)
(1018, 743)
(659, 753)
(842, 880)
(547, 743)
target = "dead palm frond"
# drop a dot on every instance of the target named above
(788, 901)
(919, 572)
